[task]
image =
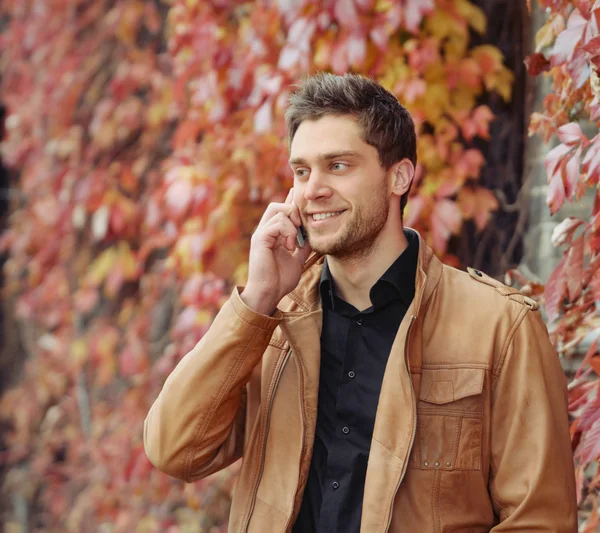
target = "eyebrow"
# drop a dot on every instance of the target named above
(327, 157)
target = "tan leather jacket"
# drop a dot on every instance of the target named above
(471, 433)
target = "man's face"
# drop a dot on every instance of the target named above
(335, 171)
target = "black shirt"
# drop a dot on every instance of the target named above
(355, 347)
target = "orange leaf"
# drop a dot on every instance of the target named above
(485, 203)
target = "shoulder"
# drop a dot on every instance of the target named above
(476, 286)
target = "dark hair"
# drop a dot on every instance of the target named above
(386, 124)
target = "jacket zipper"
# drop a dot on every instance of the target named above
(414, 428)
(264, 443)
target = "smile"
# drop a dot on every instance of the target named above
(322, 216)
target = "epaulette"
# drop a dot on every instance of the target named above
(502, 289)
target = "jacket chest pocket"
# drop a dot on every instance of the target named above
(449, 420)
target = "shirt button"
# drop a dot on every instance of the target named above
(345, 430)
(360, 321)
(351, 374)
(335, 485)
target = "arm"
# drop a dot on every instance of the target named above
(532, 480)
(196, 425)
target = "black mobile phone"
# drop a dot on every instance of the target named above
(301, 236)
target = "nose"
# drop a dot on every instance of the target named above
(316, 187)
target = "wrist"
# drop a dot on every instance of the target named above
(259, 302)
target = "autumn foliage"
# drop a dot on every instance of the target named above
(148, 138)
(568, 50)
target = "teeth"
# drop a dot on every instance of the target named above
(323, 216)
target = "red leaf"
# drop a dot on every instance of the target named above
(570, 173)
(466, 202)
(595, 109)
(414, 208)
(591, 160)
(446, 220)
(554, 158)
(556, 193)
(563, 233)
(567, 39)
(570, 133)
(555, 290)
(346, 14)
(486, 202)
(414, 11)
(579, 68)
(589, 413)
(589, 449)
(574, 268)
(186, 132)
(595, 363)
(536, 64)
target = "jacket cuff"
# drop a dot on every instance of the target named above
(252, 317)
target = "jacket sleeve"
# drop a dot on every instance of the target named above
(196, 425)
(532, 478)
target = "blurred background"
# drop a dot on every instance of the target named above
(141, 140)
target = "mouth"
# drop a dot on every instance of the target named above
(321, 219)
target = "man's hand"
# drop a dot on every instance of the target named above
(276, 263)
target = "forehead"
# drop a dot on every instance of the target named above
(328, 134)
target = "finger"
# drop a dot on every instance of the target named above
(280, 224)
(290, 197)
(301, 254)
(273, 209)
(290, 242)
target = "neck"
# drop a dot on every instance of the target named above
(355, 276)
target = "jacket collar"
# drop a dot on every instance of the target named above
(306, 298)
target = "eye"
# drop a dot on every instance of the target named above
(301, 172)
(339, 166)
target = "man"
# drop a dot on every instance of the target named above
(367, 386)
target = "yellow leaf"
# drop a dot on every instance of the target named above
(500, 82)
(127, 260)
(474, 15)
(79, 351)
(442, 25)
(100, 268)
(435, 102)
(322, 53)
(455, 47)
(204, 318)
(240, 276)
(157, 114)
(463, 99)
(428, 154)
(430, 185)
(546, 35)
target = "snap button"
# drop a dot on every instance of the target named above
(360, 321)
(426, 463)
(436, 463)
(345, 430)
(448, 464)
(351, 374)
(335, 485)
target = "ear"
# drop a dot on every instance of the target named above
(402, 176)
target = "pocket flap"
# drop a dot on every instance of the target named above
(444, 385)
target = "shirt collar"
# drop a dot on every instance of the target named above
(400, 275)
